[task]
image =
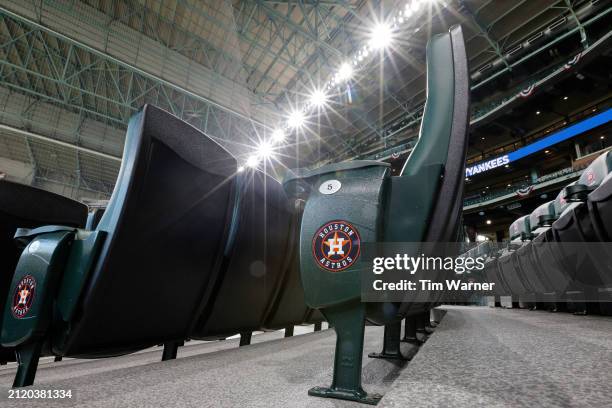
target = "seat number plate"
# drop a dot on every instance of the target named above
(330, 187)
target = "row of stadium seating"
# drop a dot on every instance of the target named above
(188, 248)
(560, 252)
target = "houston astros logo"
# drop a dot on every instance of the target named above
(24, 296)
(335, 245)
(590, 178)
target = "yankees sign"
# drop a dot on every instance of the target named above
(486, 166)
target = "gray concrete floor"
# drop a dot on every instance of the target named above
(273, 371)
(478, 356)
(487, 357)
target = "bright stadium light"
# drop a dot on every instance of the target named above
(318, 98)
(345, 72)
(240, 169)
(407, 12)
(265, 150)
(252, 161)
(296, 119)
(278, 135)
(380, 36)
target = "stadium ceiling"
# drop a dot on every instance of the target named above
(73, 72)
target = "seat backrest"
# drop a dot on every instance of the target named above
(597, 171)
(290, 307)
(560, 203)
(438, 157)
(94, 217)
(590, 179)
(603, 194)
(166, 227)
(447, 211)
(257, 259)
(23, 206)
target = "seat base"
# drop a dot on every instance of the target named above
(171, 350)
(245, 339)
(358, 396)
(410, 332)
(27, 360)
(391, 346)
(413, 340)
(389, 356)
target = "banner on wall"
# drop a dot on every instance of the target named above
(557, 137)
(524, 192)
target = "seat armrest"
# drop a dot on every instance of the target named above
(23, 236)
(546, 220)
(29, 308)
(85, 250)
(577, 192)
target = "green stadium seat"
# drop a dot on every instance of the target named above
(600, 206)
(258, 268)
(512, 275)
(137, 279)
(24, 206)
(539, 220)
(357, 202)
(574, 226)
(544, 249)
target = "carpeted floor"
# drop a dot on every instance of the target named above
(488, 357)
(478, 356)
(272, 372)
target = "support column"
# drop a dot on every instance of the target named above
(534, 175)
(170, 350)
(27, 360)
(410, 331)
(349, 324)
(391, 346)
(245, 338)
(578, 150)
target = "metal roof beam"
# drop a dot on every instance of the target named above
(124, 65)
(28, 134)
(338, 3)
(316, 55)
(272, 12)
(485, 32)
(583, 35)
